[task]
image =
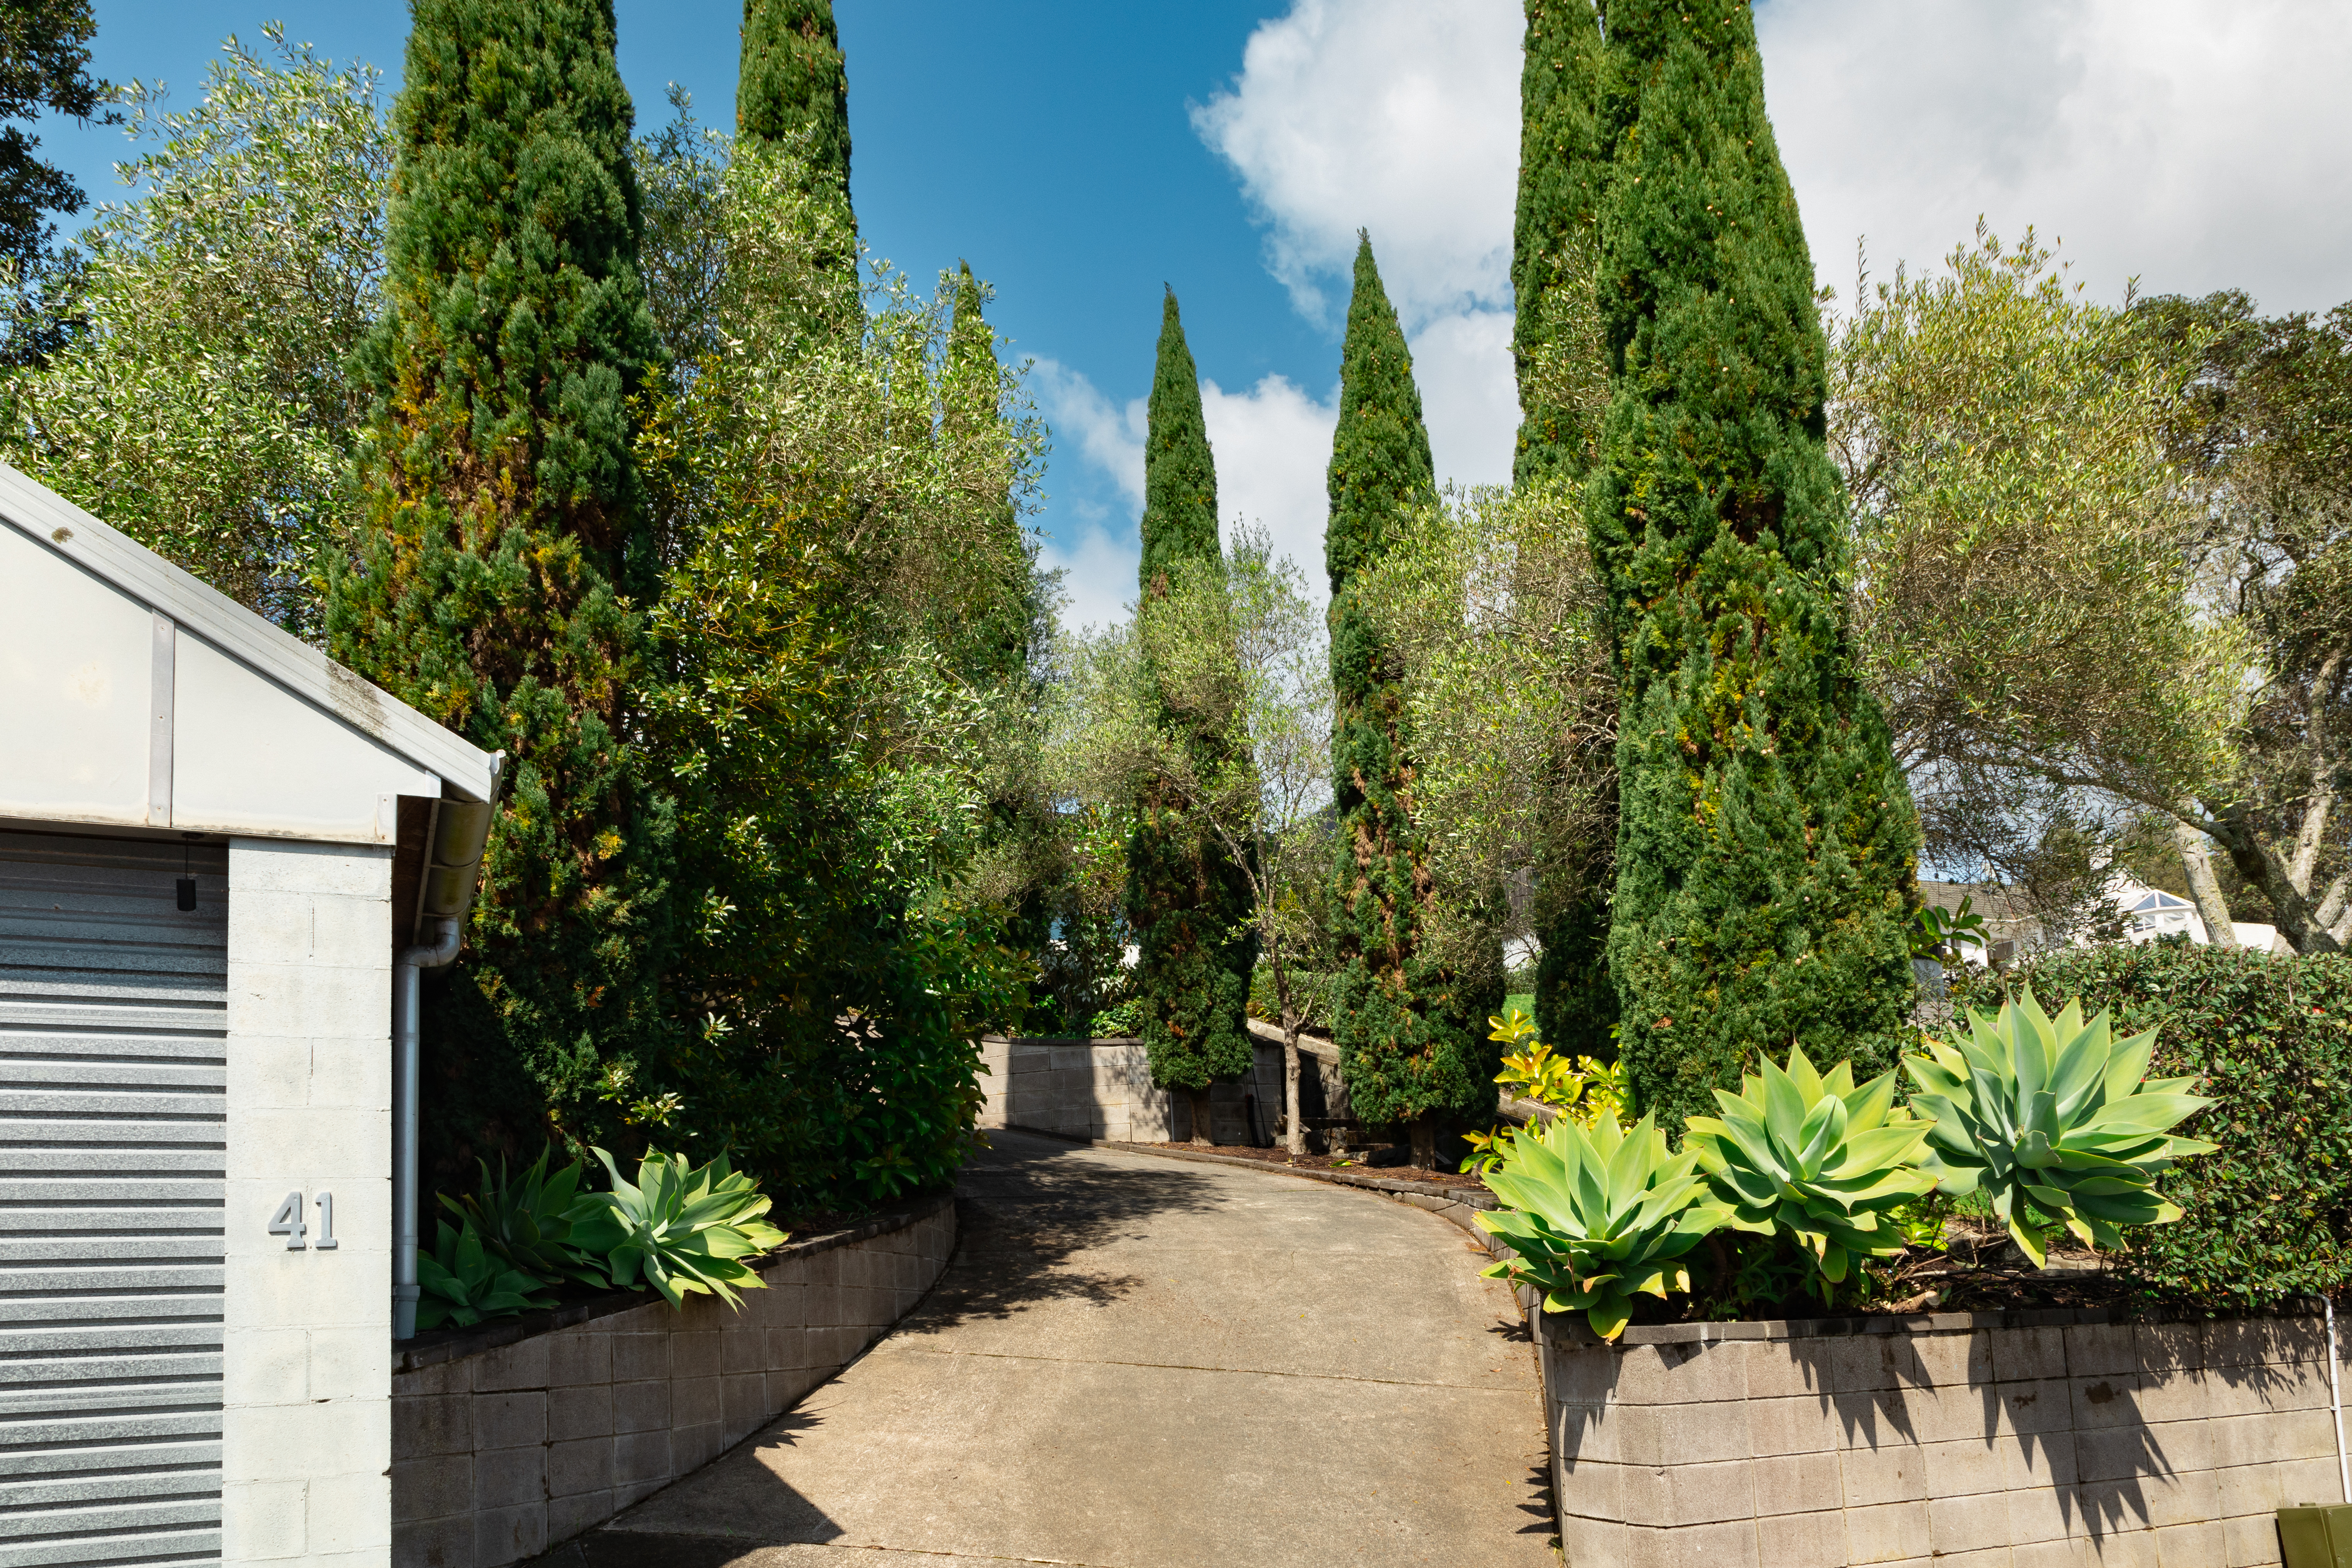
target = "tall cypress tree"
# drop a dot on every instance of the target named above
(1555, 350)
(1410, 1030)
(1765, 840)
(1001, 629)
(506, 538)
(1185, 897)
(1556, 241)
(791, 89)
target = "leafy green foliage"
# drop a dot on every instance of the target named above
(1585, 1090)
(44, 68)
(1810, 1155)
(2054, 1121)
(1556, 244)
(2268, 1212)
(202, 402)
(504, 546)
(1766, 839)
(1405, 1011)
(1188, 901)
(2027, 555)
(461, 1283)
(683, 1232)
(1599, 1216)
(525, 1222)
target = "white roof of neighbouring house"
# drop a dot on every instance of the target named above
(132, 695)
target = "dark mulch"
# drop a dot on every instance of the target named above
(1390, 1164)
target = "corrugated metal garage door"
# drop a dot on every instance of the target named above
(113, 1044)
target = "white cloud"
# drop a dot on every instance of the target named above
(1273, 444)
(1110, 438)
(1097, 571)
(1394, 115)
(2196, 146)
(1469, 397)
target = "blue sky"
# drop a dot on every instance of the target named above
(1082, 154)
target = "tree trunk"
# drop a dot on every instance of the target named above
(2197, 864)
(1294, 1136)
(1202, 1124)
(2257, 863)
(1424, 1144)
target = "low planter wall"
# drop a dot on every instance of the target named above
(2023, 1439)
(513, 1437)
(1103, 1089)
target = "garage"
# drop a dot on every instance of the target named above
(223, 862)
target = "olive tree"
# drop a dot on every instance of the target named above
(1234, 648)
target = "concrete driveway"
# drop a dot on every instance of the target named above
(1137, 1363)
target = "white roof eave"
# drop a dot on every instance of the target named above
(58, 525)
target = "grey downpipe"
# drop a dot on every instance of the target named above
(407, 972)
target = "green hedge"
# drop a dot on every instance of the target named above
(2270, 1214)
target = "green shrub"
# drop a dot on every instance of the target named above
(684, 1232)
(1809, 1155)
(1597, 1214)
(2269, 1213)
(461, 1284)
(2054, 1120)
(525, 1222)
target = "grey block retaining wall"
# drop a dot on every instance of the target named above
(2025, 1441)
(1103, 1089)
(507, 1441)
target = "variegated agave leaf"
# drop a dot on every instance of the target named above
(1811, 1154)
(2053, 1119)
(1598, 1215)
(680, 1231)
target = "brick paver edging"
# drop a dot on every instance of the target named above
(450, 1344)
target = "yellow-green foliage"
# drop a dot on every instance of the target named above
(2053, 1121)
(1809, 1155)
(1599, 1216)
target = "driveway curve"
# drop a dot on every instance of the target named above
(1138, 1363)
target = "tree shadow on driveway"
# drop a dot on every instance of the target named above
(1028, 1209)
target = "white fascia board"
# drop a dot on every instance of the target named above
(57, 524)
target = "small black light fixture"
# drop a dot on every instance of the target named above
(187, 884)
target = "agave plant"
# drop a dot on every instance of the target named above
(526, 1221)
(2052, 1119)
(462, 1283)
(1597, 1214)
(1812, 1155)
(680, 1231)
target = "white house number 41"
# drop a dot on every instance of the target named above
(287, 1222)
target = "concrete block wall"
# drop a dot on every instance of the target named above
(2023, 1440)
(498, 1453)
(1103, 1089)
(306, 1402)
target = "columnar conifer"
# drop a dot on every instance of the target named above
(999, 638)
(1765, 841)
(1410, 1029)
(792, 91)
(1555, 348)
(505, 536)
(1186, 898)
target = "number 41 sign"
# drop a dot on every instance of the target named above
(287, 1222)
